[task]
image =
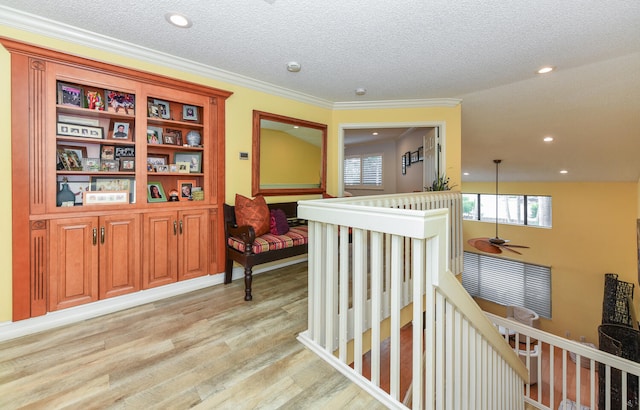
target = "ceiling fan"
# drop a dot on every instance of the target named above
(497, 244)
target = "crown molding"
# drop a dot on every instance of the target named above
(432, 102)
(48, 28)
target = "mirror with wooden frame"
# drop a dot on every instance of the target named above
(289, 155)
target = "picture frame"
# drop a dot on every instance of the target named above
(414, 157)
(154, 135)
(162, 168)
(127, 164)
(169, 138)
(124, 151)
(190, 112)
(404, 165)
(105, 197)
(183, 167)
(111, 184)
(165, 111)
(70, 94)
(71, 157)
(178, 134)
(120, 131)
(77, 130)
(155, 160)
(109, 165)
(91, 164)
(155, 192)
(407, 156)
(78, 188)
(193, 158)
(185, 188)
(173, 168)
(107, 152)
(421, 154)
(154, 110)
(117, 100)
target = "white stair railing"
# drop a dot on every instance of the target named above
(378, 263)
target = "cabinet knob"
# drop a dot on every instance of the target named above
(181, 227)
(102, 235)
(175, 227)
(95, 236)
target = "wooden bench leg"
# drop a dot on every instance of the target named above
(228, 270)
(247, 283)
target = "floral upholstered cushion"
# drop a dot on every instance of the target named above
(253, 212)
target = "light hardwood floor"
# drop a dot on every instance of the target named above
(208, 349)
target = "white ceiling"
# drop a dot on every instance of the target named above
(484, 53)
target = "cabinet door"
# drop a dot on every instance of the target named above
(159, 249)
(119, 255)
(73, 262)
(192, 244)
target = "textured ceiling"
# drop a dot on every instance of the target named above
(484, 53)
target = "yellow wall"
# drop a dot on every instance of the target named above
(593, 233)
(239, 120)
(278, 166)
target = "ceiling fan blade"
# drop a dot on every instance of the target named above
(516, 246)
(508, 248)
(483, 244)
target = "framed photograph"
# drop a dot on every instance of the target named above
(183, 167)
(154, 110)
(109, 165)
(101, 184)
(164, 109)
(169, 138)
(78, 189)
(407, 158)
(173, 167)
(76, 130)
(185, 186)
(127, 164)
(69, 94)
(155, 192)
(106, 198)
(124, 151)
(107, 152)
(117, 101)
(421, 154)
(70, 157)
(404, 165)
(178, 134)
(414, 157)
(120, 130)
(91, 164)
(157, 160)
(193, 158)
(154, 135)
(190, 112)
(162, 168)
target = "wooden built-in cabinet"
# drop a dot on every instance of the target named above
(121, 144)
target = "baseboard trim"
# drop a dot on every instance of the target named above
(13, 330)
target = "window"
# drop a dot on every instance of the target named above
(363, 171)
(508, 282)
(512, 209)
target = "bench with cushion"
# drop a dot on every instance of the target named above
(256, 233)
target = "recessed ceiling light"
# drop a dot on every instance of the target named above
(361, 91)
(375, 133)
(545, 69)
(465, 173)
(564, 171)
(548, 139)
(293, 66)
(178, 20)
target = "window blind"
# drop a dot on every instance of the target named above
(508, 282)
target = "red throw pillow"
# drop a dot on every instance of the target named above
(253, 212)
(279, 225)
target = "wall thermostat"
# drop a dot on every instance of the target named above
(244, 155)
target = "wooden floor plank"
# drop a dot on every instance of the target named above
(205, 349)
